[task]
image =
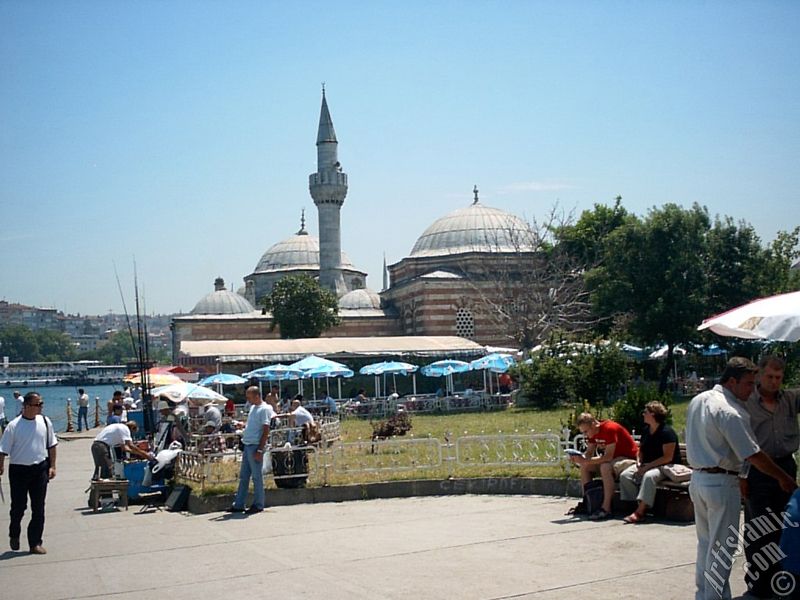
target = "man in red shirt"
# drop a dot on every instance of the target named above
(619, 452)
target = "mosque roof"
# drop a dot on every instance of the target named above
(360, 299)
(222, 302)
(300, 251)
(475, 228)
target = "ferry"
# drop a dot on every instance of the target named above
(84, 372)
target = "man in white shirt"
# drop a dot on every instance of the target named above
(116, 435)
(718, 440)
(20, 401)
(30, 443)
(83, 409)
(3, 421)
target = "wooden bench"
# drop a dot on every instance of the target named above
(672, 499)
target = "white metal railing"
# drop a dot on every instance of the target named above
(293, 459)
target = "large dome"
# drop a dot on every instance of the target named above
(301, 251)
(222, 302)
(360, 299)
(475, 228)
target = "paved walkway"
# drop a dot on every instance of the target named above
(465, 547)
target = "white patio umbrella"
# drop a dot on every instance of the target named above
(775, 318)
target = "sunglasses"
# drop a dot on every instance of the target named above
(37, 404)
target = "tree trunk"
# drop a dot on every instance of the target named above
(662, 384)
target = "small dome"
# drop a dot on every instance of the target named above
(301, 251)
(475, 228)
(222, 302)
(357, 299)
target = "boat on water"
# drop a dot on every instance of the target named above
(83, 372)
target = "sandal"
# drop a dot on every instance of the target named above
(600, 515)
(634, 518)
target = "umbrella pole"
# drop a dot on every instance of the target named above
(414, 379)
(314, 388)
(339, 381)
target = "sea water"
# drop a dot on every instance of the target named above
(55, 402)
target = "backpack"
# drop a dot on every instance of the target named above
(592, 499)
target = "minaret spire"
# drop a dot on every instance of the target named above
(385, 274)
(328, 188)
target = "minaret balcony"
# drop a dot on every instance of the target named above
(328, 178)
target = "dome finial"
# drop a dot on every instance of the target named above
(475, 191)
(302, 223)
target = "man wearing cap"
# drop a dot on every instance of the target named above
(254, 439)
(117, 435)
(30, 442)
(718, 440)
(213, 414)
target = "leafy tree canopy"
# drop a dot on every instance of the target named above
(301, 308)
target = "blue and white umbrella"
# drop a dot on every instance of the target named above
(275, 373)
(315, 367)
(390, 367)
(445, 368)
(496, 363)
(222, 379)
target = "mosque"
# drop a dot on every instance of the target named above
(447, 288)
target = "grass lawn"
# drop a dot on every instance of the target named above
(359, 462)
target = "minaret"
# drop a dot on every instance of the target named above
(328, 187)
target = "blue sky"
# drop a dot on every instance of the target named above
(182, 134)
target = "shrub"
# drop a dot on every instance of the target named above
(628, 410)
(545, 382)
(398, 424)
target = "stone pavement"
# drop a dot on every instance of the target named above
(465, 547)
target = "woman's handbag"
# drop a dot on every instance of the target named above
(676, 473)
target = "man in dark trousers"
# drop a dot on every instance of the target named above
(30, 444)
(773, 418)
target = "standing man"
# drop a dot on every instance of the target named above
(20, 401)
(30, 443)
(718, 440)
(254, 439)
(773, 417)
(83, 409)
(619, 453)
(3, 421)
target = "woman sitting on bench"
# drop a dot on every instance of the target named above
(658, 447)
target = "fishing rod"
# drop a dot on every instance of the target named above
(144, 358)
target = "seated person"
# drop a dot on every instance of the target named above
(212, 413)
(658, 447)
(619, 452)
(299, 415)
(330, 405)
(114, 436)
(273, 398)
(505, 382)
(212, 443)
(230, 408)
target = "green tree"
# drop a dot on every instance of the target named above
(654, 270)
(585, 240)
(118, 349)
(54, 345)
(301, 308)
(19, 344)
